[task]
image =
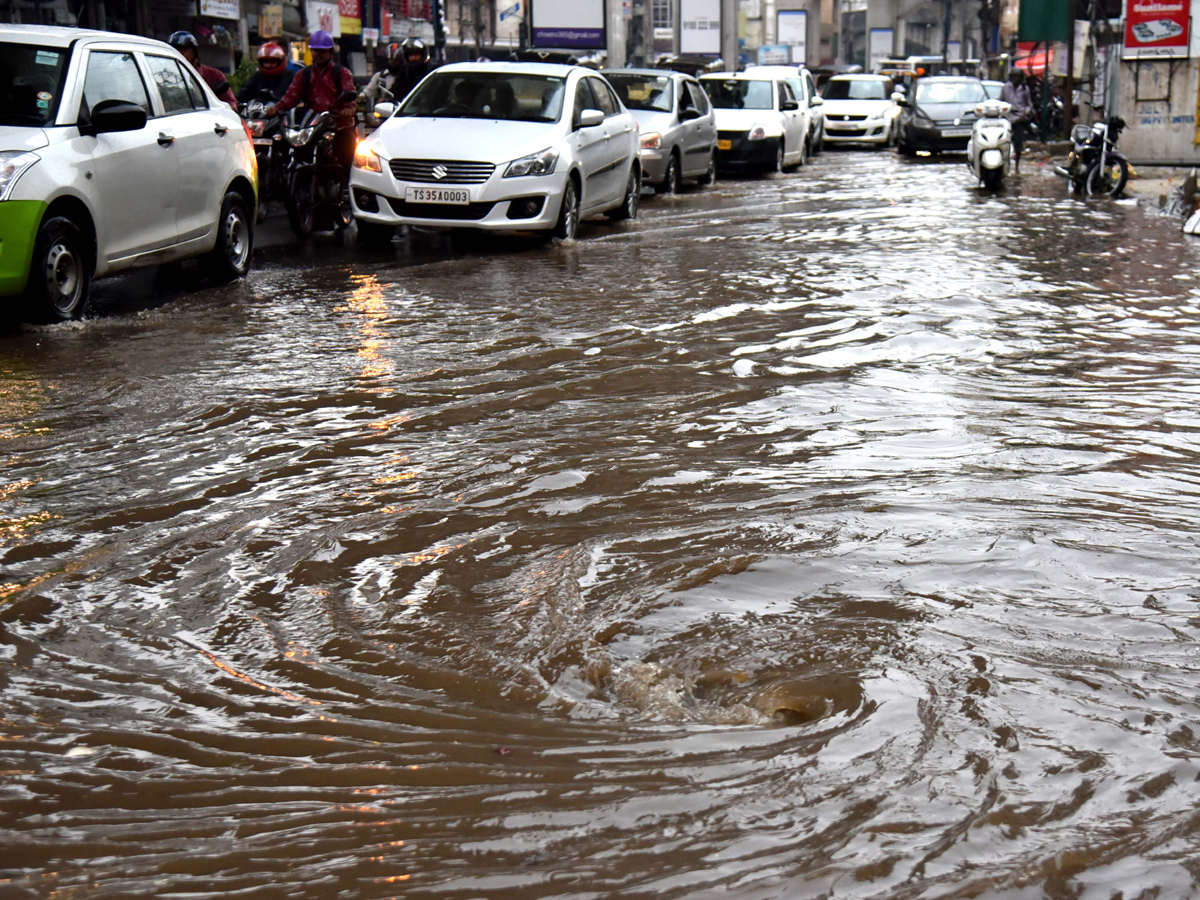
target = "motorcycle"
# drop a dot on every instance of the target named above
(990, 147)
(1095, 165)
(270, 151)
(318, 196)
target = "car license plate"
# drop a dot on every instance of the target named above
(451, 196)
(956, 132)
(838, 126)
(262, 142)
(724, 145)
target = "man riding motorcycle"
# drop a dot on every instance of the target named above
(407, 64)
(187, 45)
(319, 87)
(272, 76)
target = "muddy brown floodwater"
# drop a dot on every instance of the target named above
(826, 535)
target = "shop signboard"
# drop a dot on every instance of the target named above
(773, 55)
(569, 24)
(1156, 28)
(791, 28)
(350, 14)
(324, 17)
(700, 27)
(270, 21)
(879, 47)
(220, 9)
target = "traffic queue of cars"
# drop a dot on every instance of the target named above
(114, 154)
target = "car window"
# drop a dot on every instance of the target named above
(605, 97)
(114, 76)
(481, 94)
(699, 98)
(172, 84)
(739, 93)
(950, 92)
(31, 79)
(797, 88)
(854, 89)
(785, 92)
(584, 99)
(648, 92)
(810, 85)
(199, 98)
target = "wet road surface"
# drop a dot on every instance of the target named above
(825, 535)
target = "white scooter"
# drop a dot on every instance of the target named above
(990, 147)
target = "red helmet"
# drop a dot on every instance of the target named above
(271, 58)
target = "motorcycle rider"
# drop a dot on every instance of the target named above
(187, 45)
(1016, 94)
(407, 64)
(320, 87)
(273, 75)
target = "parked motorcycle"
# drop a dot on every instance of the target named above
(990, 147)
(270, 151)
(1095, 165)
(318, 198)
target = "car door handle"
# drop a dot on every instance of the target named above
(165, 139)
(220, 129)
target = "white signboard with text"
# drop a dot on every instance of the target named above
(700, 27)
(879, 47)
(220, 9)
(791, 29)
(572, 24)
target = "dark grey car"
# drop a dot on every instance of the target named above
(675, 118)
(938, 113)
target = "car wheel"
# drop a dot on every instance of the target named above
(710, 176)
(568, 214)
(633, 191)
(230, 258)
(672, 182)
(777, 166)
(818, 146)
(60, 273)
(905, 149)
(373, 234)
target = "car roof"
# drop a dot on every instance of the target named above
(649, 73)
(555, 70)
(56, 36)
(859, 76)
(969, 78)
(791, 70)
(738, 76)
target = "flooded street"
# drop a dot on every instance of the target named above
(824, 535)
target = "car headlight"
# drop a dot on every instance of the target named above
(922, 120)
(366, 158)
(758, 133)
(651, 140)
(13, 164)
(298, 137)
(877, 115)
(537, 164)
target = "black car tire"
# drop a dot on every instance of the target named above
(373, 234)
(633, 192)
(60, 273)
(568, 215)
(710, 176)
(777, 165)
(672, 182)
(230, 258)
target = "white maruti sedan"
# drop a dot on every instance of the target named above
(499, 146)
(113, 154)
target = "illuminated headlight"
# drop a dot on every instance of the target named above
(538, 164)
(758, 133)
(13, 164)
(298, 137)
(651, 140)
(366, 158)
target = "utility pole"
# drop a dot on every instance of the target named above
(729, 35)
(946, 35)
(1069, 88)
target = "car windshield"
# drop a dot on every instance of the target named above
(740, 93)
(649, 92)
(950, 92)
(30, 83)
(993, 89)
(851, 89)
(488, 95)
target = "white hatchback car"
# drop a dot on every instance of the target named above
(805, 90)
(759, 122)
(113, 154)
(499, 146)
(859, 109)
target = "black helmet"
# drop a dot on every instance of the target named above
(182, 40)
(414, 51)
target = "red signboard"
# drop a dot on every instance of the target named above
(1156, 28)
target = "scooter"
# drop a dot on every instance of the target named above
(990, 147)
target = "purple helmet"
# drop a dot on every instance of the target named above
(320, 40)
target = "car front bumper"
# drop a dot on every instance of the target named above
(654, 165)
(19, 221)
(870, 131)
(934, 140)
(743, 153)
(527, 203)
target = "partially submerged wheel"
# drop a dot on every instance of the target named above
(777, 165)
(568, 215)
(230, 258)
(710, 176)
(60, 272)
(633, 193)
(373, 234)
(673, 181)
(1109, 179)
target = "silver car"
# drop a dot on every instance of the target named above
(677, 125)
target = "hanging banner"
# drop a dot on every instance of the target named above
(1156, 28)
(569, 24)
(700, 27)
(351, 16)
(324, 17)
(791, 28)
(879, 47)
(220, 9)
(270, 21)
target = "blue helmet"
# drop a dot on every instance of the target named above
(320, 40)
(181, 40)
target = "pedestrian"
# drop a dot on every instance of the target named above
(1016, 95)
(187, 45)
(272, 78)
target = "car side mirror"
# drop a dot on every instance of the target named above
(111, 116)
(384, 110)
(898, 99)
(590, 118)
(686, 115)
(817, 100)
(791, 104)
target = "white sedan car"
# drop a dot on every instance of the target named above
(859, 109)
(499, 146)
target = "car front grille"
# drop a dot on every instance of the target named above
(427, 171)
(847, 118)
(469, 213)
